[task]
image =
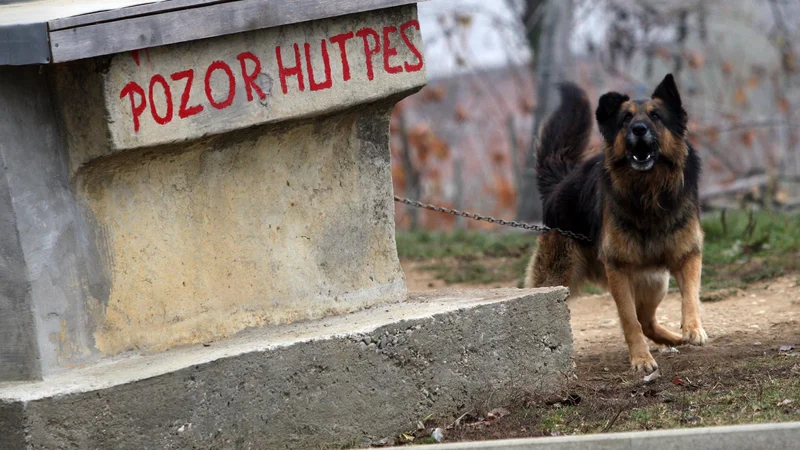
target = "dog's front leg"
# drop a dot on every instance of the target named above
(687, 274)
(619, 283)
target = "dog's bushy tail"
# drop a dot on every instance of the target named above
(563, 138)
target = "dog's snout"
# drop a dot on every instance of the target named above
(639, 129)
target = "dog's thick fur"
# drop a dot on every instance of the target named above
(638, 202)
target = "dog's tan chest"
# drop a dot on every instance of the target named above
(620, 248)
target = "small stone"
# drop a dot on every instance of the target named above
(384, 341)
(653, 376)
(438, 435)
(691, 420)
(382, 443)
(362, 346)
(367, 340)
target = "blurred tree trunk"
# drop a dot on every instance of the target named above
(458, 169)
(548, 26)
(513, 144)
(413, 179)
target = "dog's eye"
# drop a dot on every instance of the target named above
(627, 117)
(655, 116)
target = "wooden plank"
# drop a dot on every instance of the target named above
(198, 23)
(160, 6)
(43, 11)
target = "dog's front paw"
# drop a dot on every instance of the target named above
(695, 335)
(644, 363)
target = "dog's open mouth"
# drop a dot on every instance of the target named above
(642, 156)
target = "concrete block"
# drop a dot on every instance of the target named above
(733, 437)
(261, 227)
(50, 275)
(175, 93)
(331, 382)
(139, 221)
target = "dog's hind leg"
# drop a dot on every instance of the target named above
(551, 263)
(649, 289)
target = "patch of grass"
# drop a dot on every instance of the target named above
(756, 390)
(593, 290)
(428, 245)
(743, 247)
(740, 247)
(475, 271)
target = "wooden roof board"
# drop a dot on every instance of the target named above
(53, 31)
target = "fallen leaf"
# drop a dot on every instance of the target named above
(786, 348)
(748, 137)
(784, 402)
(677, 381)
(727, 68)
(783, 105)
(739, 96)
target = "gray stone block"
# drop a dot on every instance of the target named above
(735, 437)
(334, 381)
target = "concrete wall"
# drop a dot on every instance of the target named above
(181, 92)
(138, 221)
(264, 226)
(49, 276)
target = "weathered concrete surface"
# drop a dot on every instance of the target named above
(50, 279)
(336, 381)
(187, 91)
(261, 227)
(736, 437)
(246, 212)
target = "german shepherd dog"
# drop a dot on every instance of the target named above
(637, 200)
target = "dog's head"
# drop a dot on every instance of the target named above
(640, 133)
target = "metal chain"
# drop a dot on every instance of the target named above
(510, 223)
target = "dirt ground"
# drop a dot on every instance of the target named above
(751, 351)
(739, 320)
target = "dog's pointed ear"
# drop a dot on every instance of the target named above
(606, 114)
(667, 92)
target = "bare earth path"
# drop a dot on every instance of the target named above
(739, 323)
(749, 372)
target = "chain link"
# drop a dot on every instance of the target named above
(509, 223)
